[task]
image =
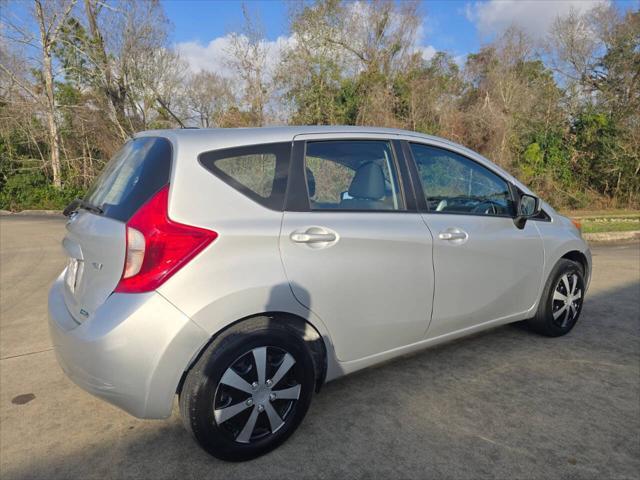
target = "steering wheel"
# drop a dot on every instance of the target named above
(488, 208)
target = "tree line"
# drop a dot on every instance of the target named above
(78, 78)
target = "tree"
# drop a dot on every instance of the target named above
(248, 59)
(50, 21)
(345, 59)
(208, 99)
(93, 47)
(118, 51)
(76, 80)
(510, 95)
(312, 69)
(597, 57)
(429, 93)
(49, 17)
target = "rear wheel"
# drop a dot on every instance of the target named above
(249, 391)
(561, 301)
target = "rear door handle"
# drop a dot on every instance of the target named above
(453, 234)
(299, 237)
(313, 235)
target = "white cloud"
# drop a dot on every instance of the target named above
(427, 52)
(533, 16)
(358, 15)
(211, 57)
(215, 56)
(460, 60)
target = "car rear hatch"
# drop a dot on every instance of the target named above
(96, 239)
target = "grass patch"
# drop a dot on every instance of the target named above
(600, 214)
(597, 221)
(610, 225)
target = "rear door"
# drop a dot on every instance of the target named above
(355, 250)
(95, 243)
(485, 267)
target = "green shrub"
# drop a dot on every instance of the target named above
(24, 191)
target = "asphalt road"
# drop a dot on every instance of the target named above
(502, 404)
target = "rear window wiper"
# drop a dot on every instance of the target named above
(78, 203)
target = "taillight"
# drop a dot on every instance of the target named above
(158, 247)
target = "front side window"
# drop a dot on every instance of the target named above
(454, 184)
(352, 175)
(258, 171)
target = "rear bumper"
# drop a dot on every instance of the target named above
(131, 352)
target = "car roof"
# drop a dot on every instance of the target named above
(254, 135)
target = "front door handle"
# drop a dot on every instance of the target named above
(453, 235)
(313, 235)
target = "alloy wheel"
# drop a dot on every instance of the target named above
(567, 300)
(257, 394)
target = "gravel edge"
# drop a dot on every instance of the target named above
(612, 236)
(7, 213)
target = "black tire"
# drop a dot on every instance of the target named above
(202, 391)
(555, 317)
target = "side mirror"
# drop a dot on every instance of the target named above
(528, 206)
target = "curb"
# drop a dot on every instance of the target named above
(612, 236)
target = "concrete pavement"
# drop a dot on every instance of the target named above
(502, 404)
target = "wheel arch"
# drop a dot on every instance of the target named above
(581, 259)
(317, 343)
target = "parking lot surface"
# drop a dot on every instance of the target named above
(505, 403)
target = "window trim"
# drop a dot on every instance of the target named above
(413, 166)
(414, 177)
(297, 197)
(404, 176)
(543, 216)
(276, 201)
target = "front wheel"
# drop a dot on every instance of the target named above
(249, 391)
(561, 301)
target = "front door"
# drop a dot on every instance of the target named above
(356, 257)
(485, 267)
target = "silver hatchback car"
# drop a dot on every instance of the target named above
(242, 268)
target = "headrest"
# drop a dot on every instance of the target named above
(368, 182)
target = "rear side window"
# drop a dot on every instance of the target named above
(132, 176)
(257, 171)
(357, 175)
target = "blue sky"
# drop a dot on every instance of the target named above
(456, 26)
(200, 27)
(446, 26)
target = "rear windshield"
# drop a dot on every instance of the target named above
(132, 176)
